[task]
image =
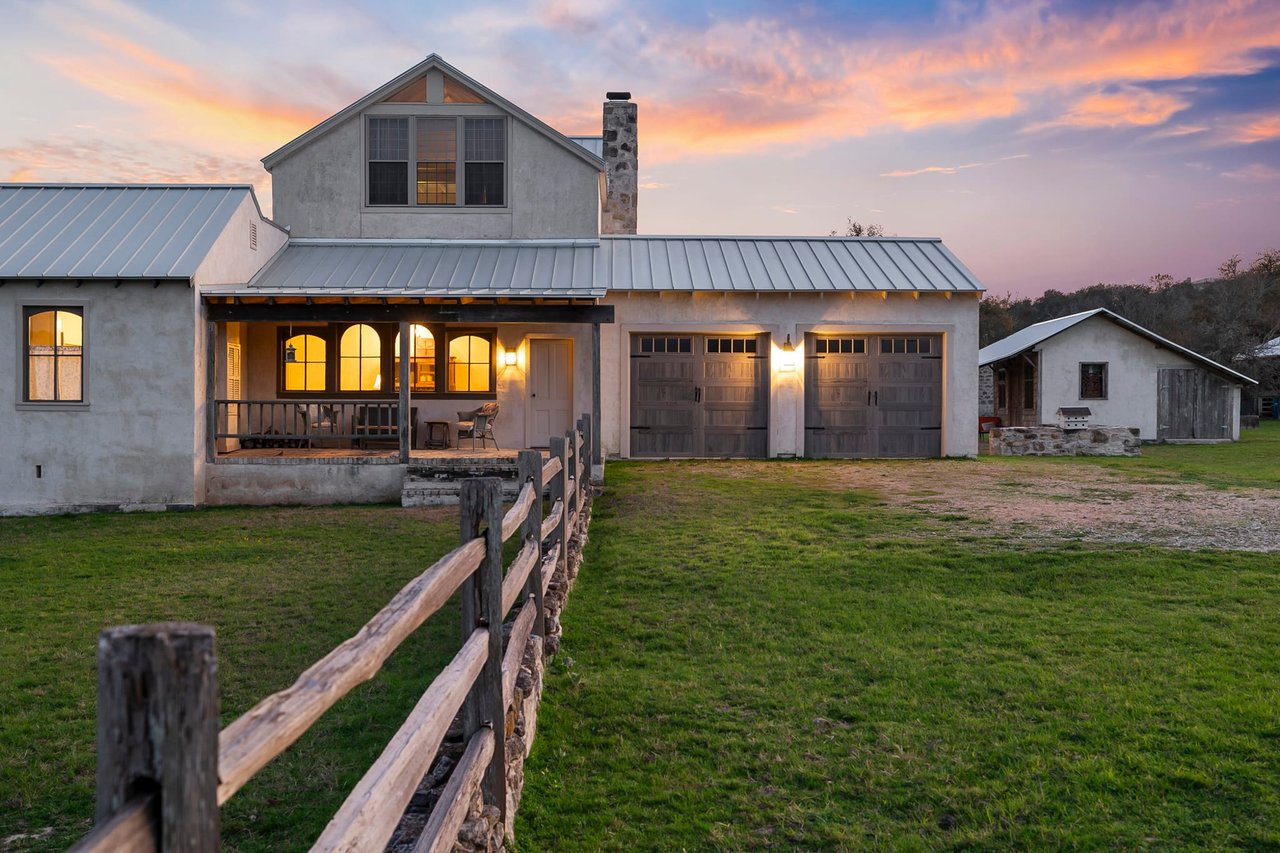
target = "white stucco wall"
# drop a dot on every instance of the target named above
(318, 191)
(132, 442)
(1133, 363)
(955, 319)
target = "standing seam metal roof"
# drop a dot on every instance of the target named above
(111, 231)
(442, 268)
(788, 264)
(588, 268)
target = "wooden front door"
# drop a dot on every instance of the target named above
(873, 395)
(1191, 403)
(699, 395)
(550, 390)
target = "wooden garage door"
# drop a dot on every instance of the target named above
(699, 395)
(1192, 404)
(873, 396)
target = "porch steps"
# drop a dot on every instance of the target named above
(437, 482)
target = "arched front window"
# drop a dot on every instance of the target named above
(469, 363)
(360, 359)
(55, 354)
(307, 370)
(422, 360)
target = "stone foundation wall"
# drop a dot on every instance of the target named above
(483, 830)
(1055, 441)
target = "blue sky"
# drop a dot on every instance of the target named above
(1051, 144)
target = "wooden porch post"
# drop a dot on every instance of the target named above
(406, 433)
(210, 390)
(594, 453)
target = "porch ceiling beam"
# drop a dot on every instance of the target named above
(475, 312)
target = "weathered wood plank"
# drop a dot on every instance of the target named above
(158, 722)
(553, 519)
(369, 815)
(550, 469)
(480, 505)
(518, 573)
(549, 563)
(134, 829)
(520, 631)
(268, 729)
(519, 511)
(441, 832)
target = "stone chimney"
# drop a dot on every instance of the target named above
(621, 160)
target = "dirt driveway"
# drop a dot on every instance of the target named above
(1075, 502)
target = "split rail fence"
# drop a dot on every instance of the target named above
(164, 768)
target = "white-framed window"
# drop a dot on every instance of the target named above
(53, 346)
(436, 161)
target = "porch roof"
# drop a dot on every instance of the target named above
(555, 269)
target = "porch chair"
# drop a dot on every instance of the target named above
(478, 423)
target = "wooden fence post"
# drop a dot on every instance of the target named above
(570, 488)
(584, 427)
(529, 466)
(557, 492)
(158, 729)
(480, 502)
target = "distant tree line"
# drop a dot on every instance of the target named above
(1225, 318)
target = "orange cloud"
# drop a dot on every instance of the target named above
(760, 83)
(182, 102)
(1255, 129)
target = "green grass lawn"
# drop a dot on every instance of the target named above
(281, 587)
(756, 662)
(750, 661)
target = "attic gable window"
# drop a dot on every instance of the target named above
(388, 161)
(486, 160)
(438, 152)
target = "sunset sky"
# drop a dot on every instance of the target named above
(1051, 144)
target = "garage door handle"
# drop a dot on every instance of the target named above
(697, 394)
(868, 398)
(877, 393)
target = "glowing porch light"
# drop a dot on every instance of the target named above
(787, 362)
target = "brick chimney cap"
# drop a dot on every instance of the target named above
(618, 96)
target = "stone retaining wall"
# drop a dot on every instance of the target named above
(483, 830)
(1055, 441)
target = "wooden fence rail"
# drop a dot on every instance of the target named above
(164, 768)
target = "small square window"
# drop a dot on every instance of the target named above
(1093, 380)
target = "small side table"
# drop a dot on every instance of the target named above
(437, 435)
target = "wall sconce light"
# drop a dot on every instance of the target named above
(788, 356)
(509, 358)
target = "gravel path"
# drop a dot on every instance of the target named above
(1076, 502)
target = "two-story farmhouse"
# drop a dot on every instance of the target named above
(436, 250)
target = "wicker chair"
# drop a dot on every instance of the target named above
(478, 423)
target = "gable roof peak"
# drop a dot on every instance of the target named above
(432, 62)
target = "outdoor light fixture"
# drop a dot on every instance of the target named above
(290, 351)
(788, 346)
(509, 357)
(788, 356)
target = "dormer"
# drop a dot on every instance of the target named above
(435, 154)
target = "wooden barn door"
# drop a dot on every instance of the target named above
(1192, 404)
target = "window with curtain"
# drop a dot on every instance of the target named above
(310, 366)
(360, 359)
(54, 348)
(470, 363)
(437, 162)
(422, 360)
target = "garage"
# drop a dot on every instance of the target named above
(699, 395)
(873, 395)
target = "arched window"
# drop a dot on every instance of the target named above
(308, 369)
(360, 359)
(422, 360)
(55, 354)
(469, 363)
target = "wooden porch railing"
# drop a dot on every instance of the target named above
(164, 768)
(304, 423)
